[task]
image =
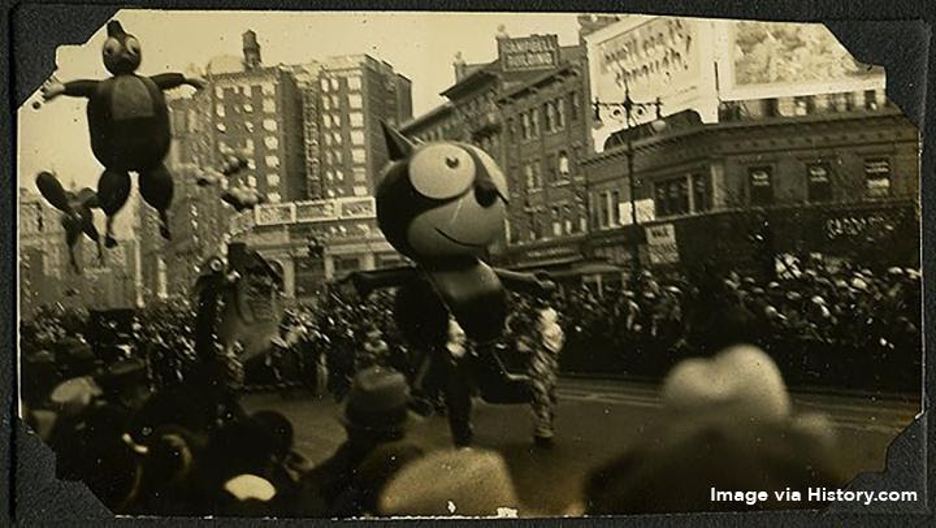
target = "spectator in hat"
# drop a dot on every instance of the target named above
(376, 414)
(727, 425)
(452, 482)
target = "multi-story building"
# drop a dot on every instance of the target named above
(757, 159)
(46, 274)
(526, 109)
(344, 100)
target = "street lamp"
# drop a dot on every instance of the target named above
(629, 111)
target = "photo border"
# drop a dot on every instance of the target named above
(896, 34)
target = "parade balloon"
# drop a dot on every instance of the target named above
(77, 215)
(129, 126)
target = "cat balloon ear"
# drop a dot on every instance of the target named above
(398, 146)
(114, 29)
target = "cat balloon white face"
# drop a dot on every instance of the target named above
(440, 200)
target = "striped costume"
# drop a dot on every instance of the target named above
(544, 370)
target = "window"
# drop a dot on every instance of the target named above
(560, 114)
(549, 116)
(326, 121)
(701, 193)
(849, 101)
(574, 106)
(249, 127)
(538, 174)
(219, 110)
(671, 197)
(339, 176)
(330, 193)
(615, 207)
(360, 175)
(530, 181)
(325, 85)
(877, 177)
(357, 137)
(569, 223)
(248, 108)
(360, 190)
(328, 157)
(525, 119)
(563, 165)
(534, 122)
(805, 105)
(334, 84)
(870, 98)
(274, 197)
(326, 103)
(357, 119)
(338, 157)
(251, 181)
(510, 129)
(354, 101)
(269, 125)
(818, 182)
(273, 179)
(272, 161)
(269, 105)
(328, 140)
(271, 142)
(354, 83)
(219, 92)
(335, 103)
(248, 146)
(605, 216)
(251, 164)
(759, 180)
(556, 222)
(358, 156)
(267, 88)
(221, 127)
(329, 175)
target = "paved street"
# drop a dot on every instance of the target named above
(595, 420)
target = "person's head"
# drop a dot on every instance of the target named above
(377, 408)
(452, 482)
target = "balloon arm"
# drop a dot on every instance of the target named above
(524, 282)
(80, 88)
(168, 81)
(367, 281)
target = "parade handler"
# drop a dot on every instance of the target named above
(544, 371)
(442, 204)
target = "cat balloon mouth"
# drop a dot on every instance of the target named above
(459, 242)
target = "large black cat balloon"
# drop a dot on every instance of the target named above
(442, 204)
(129, 125)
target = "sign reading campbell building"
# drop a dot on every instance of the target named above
(528, 53)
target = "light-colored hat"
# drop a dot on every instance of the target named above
(454, 482)
(742, 380)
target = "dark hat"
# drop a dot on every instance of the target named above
(378, 401)
(123, 375)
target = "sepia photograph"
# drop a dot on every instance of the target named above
(404, 264)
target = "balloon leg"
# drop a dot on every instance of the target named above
(113, 191)
(156, 187)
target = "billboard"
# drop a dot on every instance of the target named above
(784, 59)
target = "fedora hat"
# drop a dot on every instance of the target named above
(378, 401)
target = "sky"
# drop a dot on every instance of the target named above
(421, 46)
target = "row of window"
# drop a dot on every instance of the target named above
(334, 138)
(553, 118)
(332, 102)
(355, 119)
(339, 192)
(333, 84)
(803, 105)
(269, 125)
(266, 88)
(563, 220)
(819, 176)
(557, 167)
(268, 106)
(336, 157)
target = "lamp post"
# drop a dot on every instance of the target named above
(630, 110)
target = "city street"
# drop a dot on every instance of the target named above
(595, 420)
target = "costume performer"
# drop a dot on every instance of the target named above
(129, 126)
(544, 371)
(77, 217)
(442, 204)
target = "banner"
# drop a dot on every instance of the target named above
(661, 244)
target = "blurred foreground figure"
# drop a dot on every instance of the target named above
(728, 427)
(376, 417)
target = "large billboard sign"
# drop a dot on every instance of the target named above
(653, 57)
(785, 59)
